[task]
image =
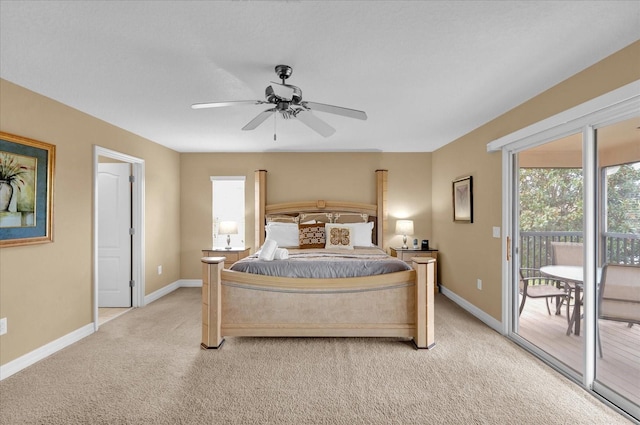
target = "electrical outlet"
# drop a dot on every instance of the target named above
(3, 326)
(159, 269)
(496, 232)
(479, 283)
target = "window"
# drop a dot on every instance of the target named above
(228, 206)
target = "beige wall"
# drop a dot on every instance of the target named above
(303, 177)
(468, 251)
(46, 290)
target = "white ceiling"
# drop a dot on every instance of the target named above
(426, 73)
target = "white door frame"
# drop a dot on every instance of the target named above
(137, 210)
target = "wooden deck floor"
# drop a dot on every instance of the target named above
(618, 369)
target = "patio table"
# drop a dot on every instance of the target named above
(575, 275)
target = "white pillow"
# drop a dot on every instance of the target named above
(339, 236)
(285, 234)
(362, 233)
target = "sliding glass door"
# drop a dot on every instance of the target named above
(574, 274)
(617, 301)
(548, 244)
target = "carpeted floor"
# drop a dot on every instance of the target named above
(146, 367)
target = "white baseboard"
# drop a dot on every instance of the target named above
(472, 309)
(182, 283)
(156, 295)
(46, 350)
(190, 283)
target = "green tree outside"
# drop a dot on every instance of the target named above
(623, 198)
(551, 201)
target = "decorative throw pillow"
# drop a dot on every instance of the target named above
(311, 235)
(339, 236)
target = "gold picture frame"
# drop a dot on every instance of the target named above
(26, 190)
(463, 200)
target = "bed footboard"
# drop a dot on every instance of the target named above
(392, 305)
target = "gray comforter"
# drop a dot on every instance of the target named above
(324, 263)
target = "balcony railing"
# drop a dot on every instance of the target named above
(622, 248)
(619, 248)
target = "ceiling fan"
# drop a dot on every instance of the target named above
(287, 100)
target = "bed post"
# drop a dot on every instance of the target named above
(212, 302)
(260, 204)
(424, 267)
(381, 202)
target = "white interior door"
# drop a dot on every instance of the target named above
(114, 239)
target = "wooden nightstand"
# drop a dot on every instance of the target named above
(406, 255)
(231, 255)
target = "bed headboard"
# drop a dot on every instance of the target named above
(376, 212)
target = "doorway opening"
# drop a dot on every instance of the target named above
(128, 264)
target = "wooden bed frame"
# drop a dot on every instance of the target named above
(391, 305)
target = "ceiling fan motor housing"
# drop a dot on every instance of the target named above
(272, 97)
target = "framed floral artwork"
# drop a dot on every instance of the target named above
(26, 190)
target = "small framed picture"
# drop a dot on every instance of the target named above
(463, 200)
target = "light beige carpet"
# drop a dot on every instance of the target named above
(146, 367)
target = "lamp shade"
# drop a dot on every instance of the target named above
(228, 228)
(404, 227)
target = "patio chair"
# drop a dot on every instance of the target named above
(534, 285)
(619, 295)
(568, 254)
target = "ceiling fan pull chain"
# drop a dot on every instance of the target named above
(274, 126)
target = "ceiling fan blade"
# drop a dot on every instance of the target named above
(315, 123)
(283, 91)
(262, 116)
(221, 104)
(337, 110)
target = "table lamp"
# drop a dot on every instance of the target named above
(228, 228)
(404, 228)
